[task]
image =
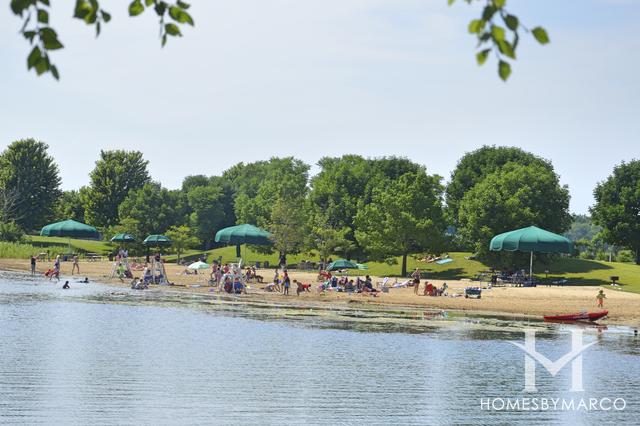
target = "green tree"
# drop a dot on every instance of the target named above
(257, 186)
(404, 217)
(513, 197)
(582, 228)
(207, 211)
(182, 238)
(116, 173)
(474, 166)
(69, 206)
(287, 225)
(326, 238)
(617, 207)
(153, 207)
(345, 184)
(29, 176)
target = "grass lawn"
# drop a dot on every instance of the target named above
(77, 245)
(576, 271)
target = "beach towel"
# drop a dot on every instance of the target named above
(444, 261)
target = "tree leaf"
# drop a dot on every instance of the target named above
(50, 39)
(541, 35)
(183, 5)
(506, 49)
(54, 72)
(481, 56)
(475, 26)
(511, 22)
(497, 32)
(488, 12)
(106, 17)
(136, 8)
(43, 16)
(172, 29)
(499, 3)
(33, 57)
(504, 70)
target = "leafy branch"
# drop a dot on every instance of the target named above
(43, 38)
(499, 32)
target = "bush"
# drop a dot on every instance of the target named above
(10, 232)
(16, 250)
(625, 256)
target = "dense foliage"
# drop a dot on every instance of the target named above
(515, 196)
(116, 173)
(29, 184)
(617, 207)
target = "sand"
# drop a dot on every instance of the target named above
(624, 307)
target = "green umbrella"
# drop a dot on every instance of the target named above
(157, 241)
(243, 234)
(123, 238)
(70, 229)
(341, 264)
(531, 239)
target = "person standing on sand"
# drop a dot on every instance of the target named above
(600, 298)
(416, 280)
(33, 265)
(76, 264)
(286, 282)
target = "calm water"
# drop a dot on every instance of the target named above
(97, 355)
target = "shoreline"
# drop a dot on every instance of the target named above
(511, 302)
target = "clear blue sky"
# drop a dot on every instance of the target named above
(308, 78)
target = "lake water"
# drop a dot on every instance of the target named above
(99, 355)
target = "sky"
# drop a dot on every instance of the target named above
(311, 78)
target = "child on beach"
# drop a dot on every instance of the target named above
(286, 282)
(33, 265)
(600, 298)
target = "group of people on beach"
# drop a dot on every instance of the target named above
(429, 288)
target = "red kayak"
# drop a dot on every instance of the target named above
(582, 316)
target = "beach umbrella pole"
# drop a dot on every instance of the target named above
(531, 267)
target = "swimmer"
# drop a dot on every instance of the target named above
(66, 285)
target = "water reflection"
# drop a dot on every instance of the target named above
(96, 355)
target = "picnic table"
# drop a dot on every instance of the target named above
(93, 257)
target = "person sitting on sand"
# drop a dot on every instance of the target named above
(258, 278)
(600, 298)
(428, 289)
(66, 285)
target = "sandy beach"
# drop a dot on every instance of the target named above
(624, 307)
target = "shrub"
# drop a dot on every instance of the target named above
(625, 256)
(10, 232)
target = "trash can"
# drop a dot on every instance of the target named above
(257, 265)
(266, 264)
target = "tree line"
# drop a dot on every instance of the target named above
(355, 207)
